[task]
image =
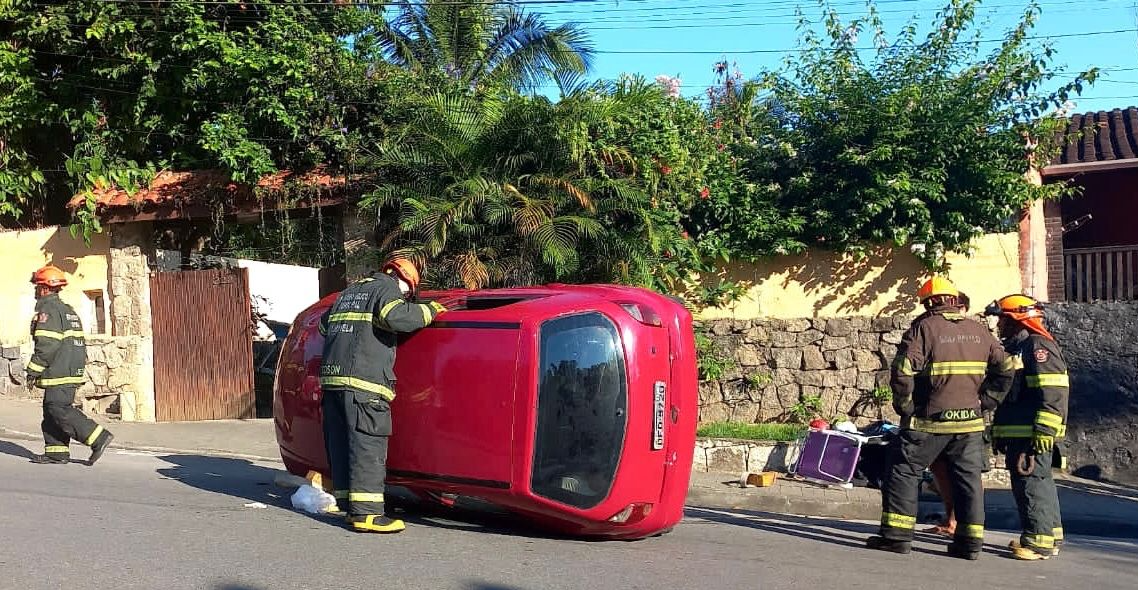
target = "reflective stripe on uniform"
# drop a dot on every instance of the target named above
(898, 521)
(364, 497)
(937, 427)
(35, 367)
(1057, 533)
(58, 335)
(62, 381)
(974, 531)
(1044, 541)
(1048, 419)
(1011, 363)
(957, 368)
(426, 313)
(94, 436)
(386, 309)
(354, 382)
(1022, 431)
(1049, 380)
(904, 366)
(350, 316)
(55, 449)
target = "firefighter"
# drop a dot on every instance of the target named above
(57, 366)
(1029, 425)
(358, 377)
(947, 369)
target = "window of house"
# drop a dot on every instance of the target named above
(97, 312)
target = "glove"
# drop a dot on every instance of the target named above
(1042, 443)
(904, 407)
(438, 307)
(30, 381)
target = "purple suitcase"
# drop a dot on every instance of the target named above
(828, 456)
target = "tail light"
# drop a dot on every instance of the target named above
(643, 314)
(632, 513)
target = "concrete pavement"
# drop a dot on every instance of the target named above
(1089, 507)
(144, 521)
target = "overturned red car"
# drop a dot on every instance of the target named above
(573, 406)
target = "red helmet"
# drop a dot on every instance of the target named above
(404, 269)
(49, 276)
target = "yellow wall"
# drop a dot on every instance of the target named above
(22, 252)
(820, 283)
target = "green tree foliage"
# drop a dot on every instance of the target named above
(99, 93)
(507, 190)
(925, 141)
(483, 46)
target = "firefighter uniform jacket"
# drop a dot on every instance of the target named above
(60, 352)
(943, 363)
(360, 332)
(1038, 399)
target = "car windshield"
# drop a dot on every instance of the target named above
(582, 402)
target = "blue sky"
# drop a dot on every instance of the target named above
(686, 37)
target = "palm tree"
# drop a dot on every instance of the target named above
(483, 44)
(512, 190)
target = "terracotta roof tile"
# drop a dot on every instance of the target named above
(177, 190)
(1115, 138)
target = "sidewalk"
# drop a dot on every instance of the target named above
(245, 439)
(1089, 507)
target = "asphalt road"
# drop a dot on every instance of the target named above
(180, 521)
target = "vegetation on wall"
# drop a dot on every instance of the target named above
(923, 142)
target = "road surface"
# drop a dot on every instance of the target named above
(149, 521)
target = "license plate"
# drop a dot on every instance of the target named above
(659, 401)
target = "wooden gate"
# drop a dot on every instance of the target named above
(203, 345)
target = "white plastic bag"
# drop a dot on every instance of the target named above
(313, 500)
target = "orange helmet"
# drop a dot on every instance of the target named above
(1022, 309)
(404, 269)
(49, 276)
(937, 286)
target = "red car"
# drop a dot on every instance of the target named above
(571, 405)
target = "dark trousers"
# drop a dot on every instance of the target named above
(357, 427)
(912, 453)
(63, 423)
(1037, 498)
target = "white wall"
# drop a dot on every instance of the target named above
(279, 291)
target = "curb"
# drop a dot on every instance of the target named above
(733, 500)
(128, 446)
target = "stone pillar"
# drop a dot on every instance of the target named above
(359, 243)
(129, 279)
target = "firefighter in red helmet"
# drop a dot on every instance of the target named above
(1030, 424)
(947, 369)
(57, 365)
(357, 376)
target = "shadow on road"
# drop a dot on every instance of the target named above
(15, 450)
(832, 531)
(488, 586)
(239, 478)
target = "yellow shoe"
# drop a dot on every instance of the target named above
(376, 523)
(1025, 554)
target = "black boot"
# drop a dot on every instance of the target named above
(50, 460)
(883, 544)
(100, 446)
(960, 551)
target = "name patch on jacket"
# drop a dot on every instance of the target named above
(959, 339)
(958, 415)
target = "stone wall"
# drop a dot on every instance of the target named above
(12, 373)
(112, 373)
(781, 364)
(1100, 344)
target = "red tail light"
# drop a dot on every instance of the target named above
(632, 513)
(642, 313)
